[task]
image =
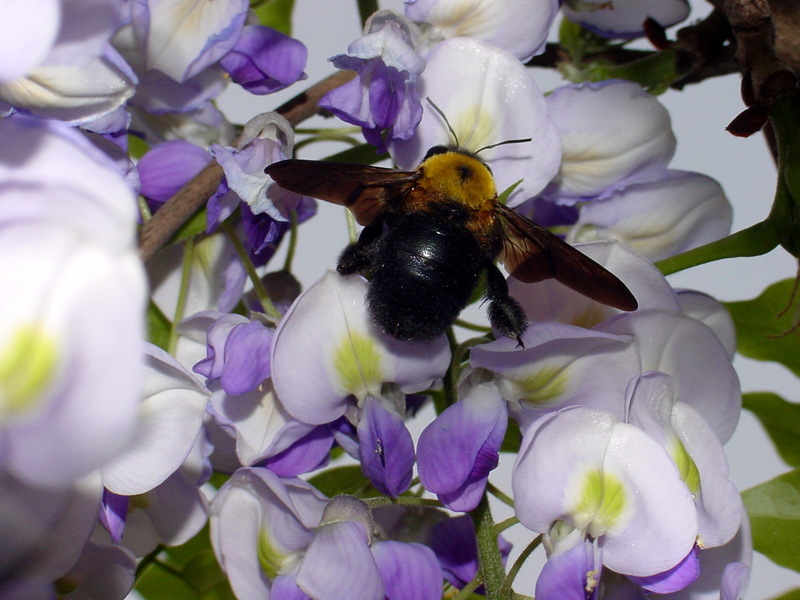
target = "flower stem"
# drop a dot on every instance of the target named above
(755, 240)
(490, 569)
(287, 265)
(258, 285)
(500, 494)
(512, 572)
(183, 294)
(467, 590)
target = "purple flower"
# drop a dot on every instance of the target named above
(265, 60)
(453, 541)
(238, 353)
(385, 447)
(461, 446)
(382, 99)
(408, 571)
(164, 169)
(571, 574)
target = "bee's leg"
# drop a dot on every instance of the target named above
(505, 313)
(358, 256)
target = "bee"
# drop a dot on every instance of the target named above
(430, 234)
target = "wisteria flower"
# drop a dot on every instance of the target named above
(71, 327)
(488, 97)
(382, 99)
(583, 469)
(265, 60)
(519, 28)
(171, 413)
(81, 78)
(459, 448)
(181, 38)
(261, 526)
(43, 530)
(657, 214)
(342, 355)
(24, 48)
(624, 18)
(633, 136)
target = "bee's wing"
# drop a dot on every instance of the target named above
(366, 190)
(531, 253)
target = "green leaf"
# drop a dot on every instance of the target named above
(157, 583)
(158, 326)
(186, 572)
(781, 419)
(191, 228)
(137, 147)
(344, 480)
(764, 326)
(513, 438)
(655, 72)
(275, 13)
(790, 595)
(363, 154)
(579, 42)
(774, 509)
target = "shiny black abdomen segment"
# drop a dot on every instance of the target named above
(425, 270)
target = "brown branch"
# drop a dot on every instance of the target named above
(191, 197)
(752, 26)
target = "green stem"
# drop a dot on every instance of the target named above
(258, 285)
(756, 240)
(144, 210)
(473, 326)
(503, 525)
(467, 590)
(287, 265)
(377, 501)
(147, 560)
(490, 569)
(183, 294)
(352, 230)
(512, 572)
(500, 494)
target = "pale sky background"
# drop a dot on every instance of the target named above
(699, 116)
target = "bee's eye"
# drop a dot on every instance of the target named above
(437, 150)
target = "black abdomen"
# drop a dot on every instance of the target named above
(425, 270)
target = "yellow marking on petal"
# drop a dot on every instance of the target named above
(269, 558)
(686, 466)
(543, 385)
(357, 364)
(602, 502)
(479, 125)
(27, 368)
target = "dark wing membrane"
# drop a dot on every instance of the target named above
(531, 253)
(366, 190)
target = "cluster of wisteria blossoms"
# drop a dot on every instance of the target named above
(198, 425)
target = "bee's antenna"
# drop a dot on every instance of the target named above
(444, 118)
(519, 141)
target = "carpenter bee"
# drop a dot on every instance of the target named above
(429, 235)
